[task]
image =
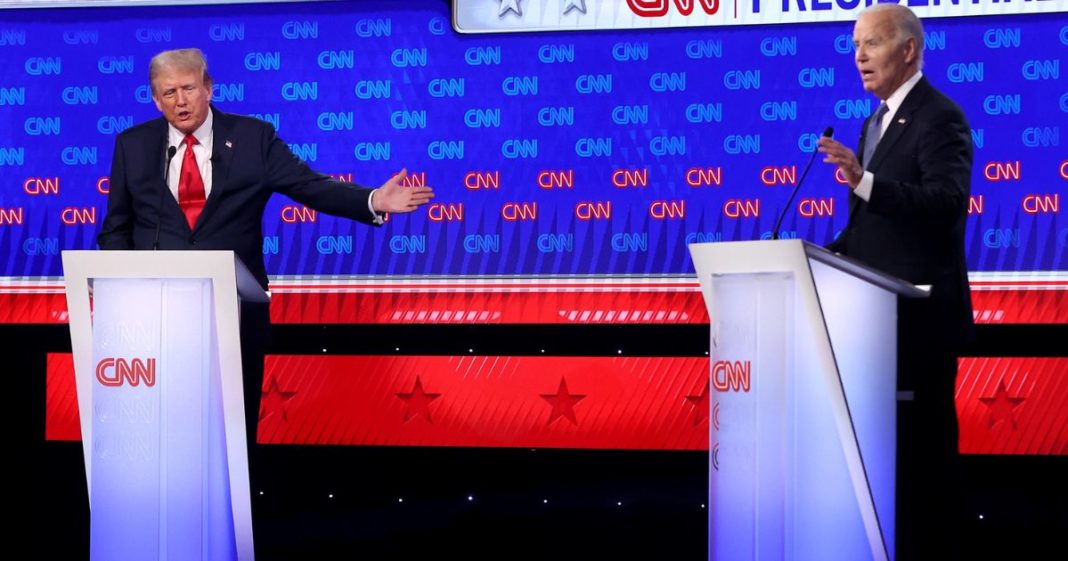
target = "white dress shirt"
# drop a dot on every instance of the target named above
(202, 151)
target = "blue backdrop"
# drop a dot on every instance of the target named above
(551, 153)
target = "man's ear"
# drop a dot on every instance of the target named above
(911, 55)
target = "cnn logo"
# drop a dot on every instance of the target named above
(733, 376)
(114, 372)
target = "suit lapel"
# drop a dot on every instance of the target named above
(900, 122)
(222, 154)
(863, 139)
(157, 146)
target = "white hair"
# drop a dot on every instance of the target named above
(906, 24)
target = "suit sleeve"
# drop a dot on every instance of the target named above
(290, 176)
(945, 166)
(841, 243)
(117, 230)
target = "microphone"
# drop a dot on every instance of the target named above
(171, 151)
(827, 133)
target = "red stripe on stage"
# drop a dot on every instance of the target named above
(494, 401)
(558, 307)
(61, 399)
(21, 307)
(1005, 405)
(1013, 405)
(1020, 306)
(536, 303)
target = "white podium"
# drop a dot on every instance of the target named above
(157, 359)
(802, 442)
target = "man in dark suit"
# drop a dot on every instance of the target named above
(908, 209)
(198, 178)
(234, 164)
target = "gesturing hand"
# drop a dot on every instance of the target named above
(392, 196)
(836, 153)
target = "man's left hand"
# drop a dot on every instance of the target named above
(393, 196)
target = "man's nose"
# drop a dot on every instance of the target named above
(179, 98)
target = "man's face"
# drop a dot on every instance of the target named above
(884, 61)
(183, 97)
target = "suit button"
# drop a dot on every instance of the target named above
(193, 242)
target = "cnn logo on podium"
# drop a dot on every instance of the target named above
(114, 372)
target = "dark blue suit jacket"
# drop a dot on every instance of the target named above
(249, 164)
(913, 226)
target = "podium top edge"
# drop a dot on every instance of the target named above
(132, 264)
(791, 255)
(864, 271)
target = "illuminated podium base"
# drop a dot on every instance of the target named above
(157, 359)
(803, 385)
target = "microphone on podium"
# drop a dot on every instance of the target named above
(827, 133)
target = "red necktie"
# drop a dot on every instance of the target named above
(190, 184)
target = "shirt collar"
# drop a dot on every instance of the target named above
(898, 97)
(202, 134)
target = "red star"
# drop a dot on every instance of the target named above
(1001, 406)
(418, 402)
(274, 399)
(700, 404)
(563, 403)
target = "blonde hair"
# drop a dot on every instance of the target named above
(179, 59)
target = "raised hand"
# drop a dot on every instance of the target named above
(836, 153)
(392, 196)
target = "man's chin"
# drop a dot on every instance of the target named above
(184, 126)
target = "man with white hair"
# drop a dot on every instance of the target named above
(907, 213)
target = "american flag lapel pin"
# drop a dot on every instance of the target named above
(229, 144)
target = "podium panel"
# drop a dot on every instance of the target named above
(750, 450)
(156, 424)
(803, 381)
(158, 374)
(861, 323)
